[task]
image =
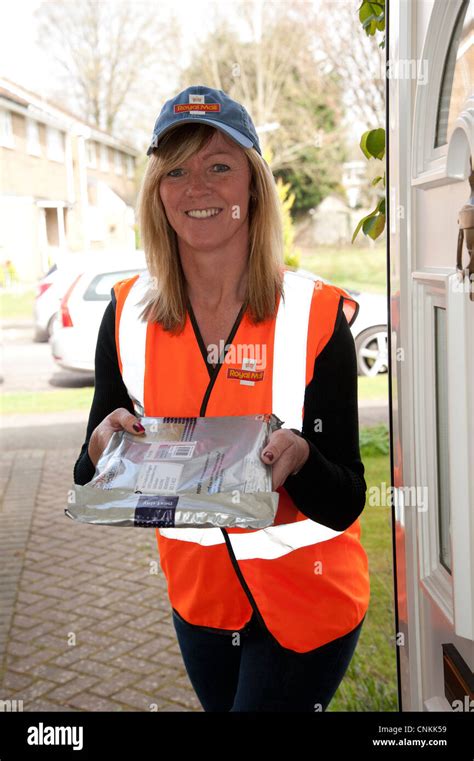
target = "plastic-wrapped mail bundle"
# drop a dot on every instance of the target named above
(200, 472)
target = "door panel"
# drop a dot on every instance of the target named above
(432, 319)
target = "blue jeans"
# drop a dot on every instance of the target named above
(257, 673)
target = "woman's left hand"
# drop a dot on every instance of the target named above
(288, 453)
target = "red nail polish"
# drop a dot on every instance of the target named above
(138, 427)
(268, 455)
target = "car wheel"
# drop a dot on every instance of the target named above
(40, 335)
(372, 351)
(51, 325)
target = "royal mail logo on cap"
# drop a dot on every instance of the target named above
(196, 105)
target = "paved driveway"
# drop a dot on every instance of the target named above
(85, 618)
(84, 614)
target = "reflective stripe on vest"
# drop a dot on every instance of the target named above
(265, 543)
(132, 340)
(289, 354)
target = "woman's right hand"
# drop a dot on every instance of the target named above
(118, 420)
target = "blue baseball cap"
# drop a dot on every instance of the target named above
(206, 105)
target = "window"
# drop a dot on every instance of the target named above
(99, 288)
(104, 158)
(91, 154)
(32, 137)
(6, 129)
(444, 511)
(54, 144)
(130, 167)
(457, 76)
(118, 162)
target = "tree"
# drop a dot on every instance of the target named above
(372, 142)
(353, 57)
(263, 56)
(108, 54)
(291, 255)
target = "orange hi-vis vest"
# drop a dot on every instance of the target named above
(307, 583)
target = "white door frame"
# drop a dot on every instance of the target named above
(413, 165)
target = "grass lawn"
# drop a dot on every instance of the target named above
(17, 305)
(362, 269)
(374, 389)
(56, 400)
(63, 399)
(370, 683)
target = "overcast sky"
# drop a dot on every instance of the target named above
(24, 62)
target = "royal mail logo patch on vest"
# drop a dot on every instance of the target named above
(247, 374)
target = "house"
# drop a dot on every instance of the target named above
(354, 177)
(331, 223)
(64, 184)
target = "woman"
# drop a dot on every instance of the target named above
(266, 620)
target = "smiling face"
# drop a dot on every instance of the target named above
(206, 197)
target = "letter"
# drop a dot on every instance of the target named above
(78, 740)
(230, 356)
(389, 69)
(48, 736)
(373, 496)
(424, 68)
(63, 736)
(32, 738)
(424, 500)
(212, 354)
(318, 567)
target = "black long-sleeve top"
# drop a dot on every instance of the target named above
(330, 487)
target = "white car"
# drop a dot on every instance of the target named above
(75, 333)
(74, 338)
(370, 333)
(49, 291)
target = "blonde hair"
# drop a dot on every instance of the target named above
(165, 302)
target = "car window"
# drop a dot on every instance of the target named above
(52, 269)
(99, 287)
